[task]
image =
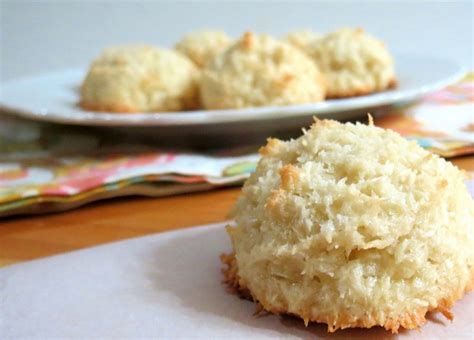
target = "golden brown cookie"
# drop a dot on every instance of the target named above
(140, 79)
(259, 70)
(353, 226)
(302, 39)
(353, 62)
(202, 46)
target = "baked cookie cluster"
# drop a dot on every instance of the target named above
(210, 70)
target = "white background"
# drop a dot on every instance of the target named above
(40, 36)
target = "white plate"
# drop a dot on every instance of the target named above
(165, 286)
(54, 97)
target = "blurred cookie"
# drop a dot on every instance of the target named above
(353, 63)
(203, 46)
(353, 226)
(140, 79)
(259, 70)
(302, 39)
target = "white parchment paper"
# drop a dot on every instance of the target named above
(166, 285)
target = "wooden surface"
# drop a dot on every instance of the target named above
(25, 238)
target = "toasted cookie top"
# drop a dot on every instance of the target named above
(353, 62)
(202, 46)
(140, 79)
(259, 70)
(302, 39)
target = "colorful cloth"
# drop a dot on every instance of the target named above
(442, 122)
(50, 168)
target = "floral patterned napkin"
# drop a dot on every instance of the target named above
(442, 121)
(45, 168)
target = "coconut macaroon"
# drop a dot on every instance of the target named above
(302, 39)
(353, 226)
(353, 62)
(203, 46)
(140, 79)
(259, 70)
